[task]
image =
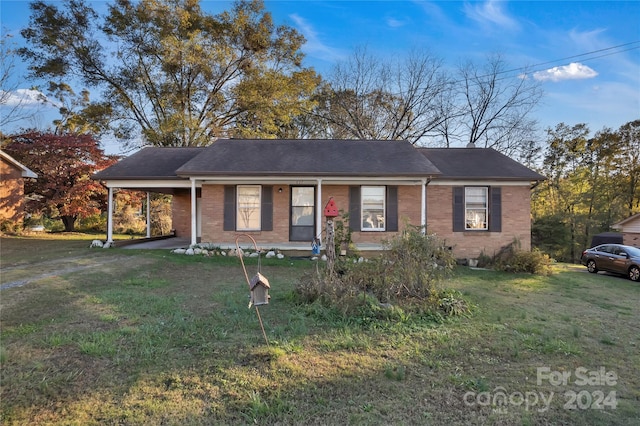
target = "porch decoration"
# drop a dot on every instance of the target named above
(331, 211)
(258, 285)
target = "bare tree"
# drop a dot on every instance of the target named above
(496, 106)
(371, 99)
(13, 100)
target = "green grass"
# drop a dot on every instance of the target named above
(146, 337)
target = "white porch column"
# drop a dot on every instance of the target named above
(194, 230)
(110, 216)
(423, 209)
(319, 209)
(148, 215)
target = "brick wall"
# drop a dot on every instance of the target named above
(213, 217)
(631, 239)
(11, 192)
(213, 214)
(516, 222)
(181, 213)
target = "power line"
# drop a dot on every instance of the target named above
(581, 55)
(535, 68)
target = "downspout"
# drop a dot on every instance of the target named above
(194, 230)
(319, 211)
(148, 215)
(423, 209)
(110, 217)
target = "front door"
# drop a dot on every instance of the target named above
(302, 225)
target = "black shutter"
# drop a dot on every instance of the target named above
(229, 222)
(458, 209)
(392, 209)
(495, 209)
(354, 208)
(266, 210)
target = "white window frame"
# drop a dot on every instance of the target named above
(375, 224)
(243, 223)
(474, 209)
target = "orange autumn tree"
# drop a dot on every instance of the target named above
(64, 165)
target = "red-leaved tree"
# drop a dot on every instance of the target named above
(64, 165)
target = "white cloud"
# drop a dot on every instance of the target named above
(395, 23)
(314, 46)
(573, 71)
(22, 97)
(491, 12)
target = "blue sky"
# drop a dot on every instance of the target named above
(570, 44)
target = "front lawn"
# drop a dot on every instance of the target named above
(147, 337)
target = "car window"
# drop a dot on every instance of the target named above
(631, 251)
(605, 249)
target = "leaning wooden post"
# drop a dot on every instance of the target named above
(331, 211)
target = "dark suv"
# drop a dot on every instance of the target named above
(615, 258)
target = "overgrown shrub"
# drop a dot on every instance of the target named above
(511, 258)
(10, 227)
(404, 279)
(92, 224)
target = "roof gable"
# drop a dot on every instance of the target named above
(477, 163)
(24, 170)
(631, 220)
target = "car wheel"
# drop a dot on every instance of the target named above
(591, 266)
(634, 273)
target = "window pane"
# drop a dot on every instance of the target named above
(302, 205)
(476, 202)
(302, 216)
(373, 199)
(302, 196)
(248, 207)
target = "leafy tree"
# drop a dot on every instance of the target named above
(177, 75)
(77, 113)
(64, 165)
(628, 165)
(592, 183)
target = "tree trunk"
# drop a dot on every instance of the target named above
(69, 223)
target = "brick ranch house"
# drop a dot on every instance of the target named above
(476, 199)
(12, 176)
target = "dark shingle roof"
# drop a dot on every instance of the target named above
(278, 157)
(281, 157)
(150, 163)
(477, 163)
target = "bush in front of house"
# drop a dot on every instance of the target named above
(406, 278)
(511, 258)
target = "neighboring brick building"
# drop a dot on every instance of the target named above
(630, 229)
(477, 200)
(12, 176)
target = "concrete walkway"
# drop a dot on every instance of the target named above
(167, 243)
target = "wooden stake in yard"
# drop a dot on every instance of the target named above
(331, 211)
